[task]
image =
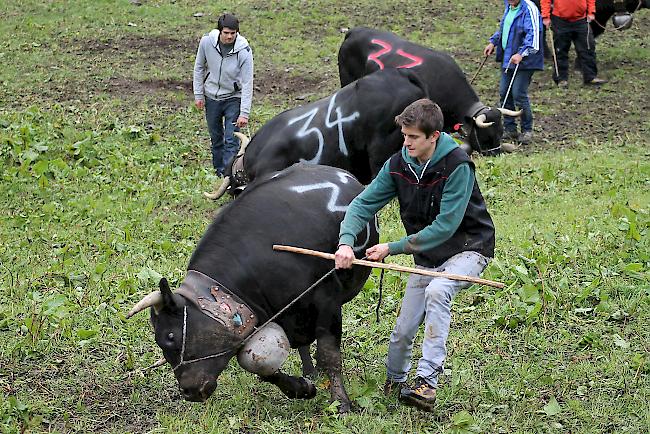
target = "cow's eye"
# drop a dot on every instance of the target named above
(170, 336)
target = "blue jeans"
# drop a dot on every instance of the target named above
(220, 115)
(428, 299)
(518, 96)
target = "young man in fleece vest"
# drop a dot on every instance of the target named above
(448, 229)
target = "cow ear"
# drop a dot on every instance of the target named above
(167, 295)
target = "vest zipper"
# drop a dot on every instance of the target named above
(418, 178)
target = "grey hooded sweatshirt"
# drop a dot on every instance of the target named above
(220, 75)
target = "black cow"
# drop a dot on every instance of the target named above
(300, 206)
(353, 129)
(605, 10)
(366, 50)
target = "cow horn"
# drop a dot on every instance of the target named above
(480, 121)
(507, 112)
(220, 191)
(243, 138)
(158, 364)
(153, 299)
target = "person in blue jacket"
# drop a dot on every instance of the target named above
(448, 229)
(518, 42)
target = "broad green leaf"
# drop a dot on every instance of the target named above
(53, 304)
(528, 294)
(620, 342)
(462, 418)
(634, 266)
(86, 334)
(552, 408)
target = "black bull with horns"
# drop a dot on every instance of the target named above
(605, 9)
(353, 129)
(302, 205)
(367, 50)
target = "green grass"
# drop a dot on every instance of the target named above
(102, 161)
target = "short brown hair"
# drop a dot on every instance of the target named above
(423, 114)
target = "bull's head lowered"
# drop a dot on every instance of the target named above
(486, 129)
(198, 334)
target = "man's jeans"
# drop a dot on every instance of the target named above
(428, 299)
(518, 96)
(220, 114)
(578, 32)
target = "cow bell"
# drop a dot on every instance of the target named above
(266, 351)
(622, 20)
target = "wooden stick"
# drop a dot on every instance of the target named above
(479, 70)
(393, 267)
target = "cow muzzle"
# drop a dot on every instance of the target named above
(198, 392)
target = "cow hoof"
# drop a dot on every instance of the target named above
(345, 408)
(308, 389)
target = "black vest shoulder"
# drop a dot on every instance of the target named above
(420, 198)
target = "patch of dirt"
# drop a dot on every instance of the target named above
(282, 85)
(129, 87)
(92, 397)
(150, 48)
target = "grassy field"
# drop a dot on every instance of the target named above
(103, 159)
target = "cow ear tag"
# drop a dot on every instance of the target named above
(236, 319)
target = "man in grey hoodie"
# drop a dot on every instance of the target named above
(223, 85)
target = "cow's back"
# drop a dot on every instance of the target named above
(300, 206)
(365, 50)
(352, 129)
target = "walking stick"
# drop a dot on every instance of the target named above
(512, 80)
(393, 267)
(479, 69)
(557, 74)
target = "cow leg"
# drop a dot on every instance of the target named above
(292, 387)
(328, 358)
(308, 369)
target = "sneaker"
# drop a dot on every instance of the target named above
(391, 386)
(562, 84)
(526, 137)
(510, 135)
(422, 395)
(595, 82)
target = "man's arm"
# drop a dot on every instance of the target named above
(530, 44)
(455, 197)
(546, 13)
(246, 89)
(591, 10)
(199, 76)
(380, 191)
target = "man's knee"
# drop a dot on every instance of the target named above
(438, 292)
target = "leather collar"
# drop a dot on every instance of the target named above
(219, 303)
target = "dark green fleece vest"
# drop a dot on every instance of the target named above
(419, 203)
